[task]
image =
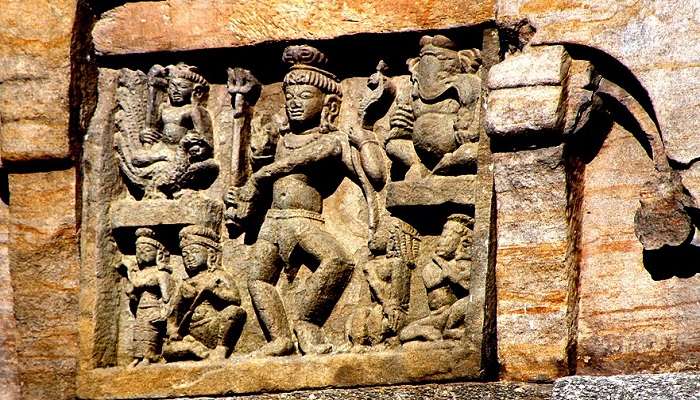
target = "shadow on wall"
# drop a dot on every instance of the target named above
(668, 217)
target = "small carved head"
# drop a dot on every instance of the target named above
(200, 249)
(456, 237)
(435, 70)
(186, 85)
(312, 94)
(149, 251)
(197, 147)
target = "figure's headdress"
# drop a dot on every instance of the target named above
(201, 235)
(148, 236)
(428, 43)
(184, 71)
(470, 58)
(306, 69)
(463, 219)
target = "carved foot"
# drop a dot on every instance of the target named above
(219, 353)
(277, 347)
(416, 172)
(311, 339)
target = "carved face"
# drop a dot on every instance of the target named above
(434, 72)
(304, 104)
(146, 254)
(180, 91)
(449, 240)
(195, 258)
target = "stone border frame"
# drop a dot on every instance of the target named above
(98, 378)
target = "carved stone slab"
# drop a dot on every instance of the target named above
(303, 233)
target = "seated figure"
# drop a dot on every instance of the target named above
(388, 272)
(206, 318)
(446, 278)
(172, 150)
(435, 127)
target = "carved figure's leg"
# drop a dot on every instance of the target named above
(228, 328)
(402, 151)
(323, 288)
(267, 302)
(428, 328)
(454, 327)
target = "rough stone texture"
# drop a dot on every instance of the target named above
(445, 391)
(532, 264)
(35, 39)
(528, 110)
(275, 374)
(197, 24)
(44, 269)
(628, 323)
(434, 191)
(538, 66)
(8, 326)
(650, 37)
(638, 387)
(105, 318)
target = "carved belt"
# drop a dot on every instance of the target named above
(277, 213)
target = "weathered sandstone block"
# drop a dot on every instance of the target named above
(197, 24)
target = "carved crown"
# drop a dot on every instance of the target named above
(306, 69)
(184, 71)
(201, 235)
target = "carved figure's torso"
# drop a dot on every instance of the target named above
(307, 189)
(176, 122)
(433, 128)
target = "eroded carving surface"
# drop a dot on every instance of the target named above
(304, 219)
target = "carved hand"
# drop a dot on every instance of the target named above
(240, 202)
(359, 137)
(149, 136)
(244, 89)
(187, 290)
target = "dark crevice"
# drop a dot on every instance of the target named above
(82, 90)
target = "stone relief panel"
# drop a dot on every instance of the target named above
(296, 223)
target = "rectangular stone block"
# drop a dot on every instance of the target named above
(536, 66)
(638, 387)
(44, 267)
(435, 190)
(534, 265)
(628, 321)
(527, 111)
(200, 24)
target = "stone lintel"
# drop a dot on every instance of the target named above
(190, 210)
(176, 25)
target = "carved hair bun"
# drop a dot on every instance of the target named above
(305, 55)
(462, 219)
(437, 41)
(194, 234)
(147, 235)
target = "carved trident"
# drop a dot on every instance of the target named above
(244, 89)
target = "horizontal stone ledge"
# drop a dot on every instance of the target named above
(432, 191)
(176, 25)
(245, 375)
(442, 391)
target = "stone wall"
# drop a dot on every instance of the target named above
(587, 308)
